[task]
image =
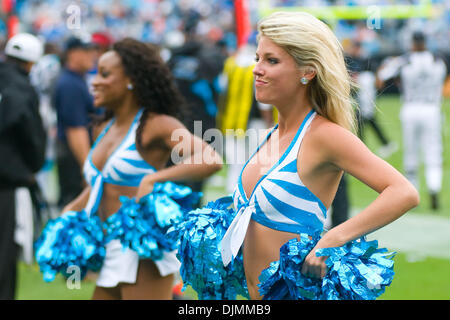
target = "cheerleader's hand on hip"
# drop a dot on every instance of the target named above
(145, 187)
(313, 266)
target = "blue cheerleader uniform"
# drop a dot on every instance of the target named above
(124, 167)
(136, 231)
(280, 201)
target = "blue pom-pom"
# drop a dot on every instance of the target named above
(71, 240)
(283, 279)
(142, 226)
(183, 195)
(359, 270)
(199, 235)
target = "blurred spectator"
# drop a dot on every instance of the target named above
(196, 66)
(43, 76)
(73, 104)
(146, 20)
(102, 42)
(22, 145)
(361, 70)
(422, 76)
(151, 20)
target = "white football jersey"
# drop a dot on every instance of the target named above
(422, 77)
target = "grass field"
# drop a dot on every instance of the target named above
(417, 277)
(419, 280)
(389, 107)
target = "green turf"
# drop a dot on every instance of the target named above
(426, 279)
(419, 280)
(30, 286)
(388, 117)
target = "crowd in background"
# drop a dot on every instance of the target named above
(149, 21)
(160, 22)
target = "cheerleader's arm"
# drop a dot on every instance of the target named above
(193, 158)
(396, 195)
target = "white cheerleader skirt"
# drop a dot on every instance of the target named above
(121, 265)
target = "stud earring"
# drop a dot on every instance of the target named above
(303, 80)
(130, 86)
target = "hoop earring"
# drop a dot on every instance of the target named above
(303, 80)
(130, 86)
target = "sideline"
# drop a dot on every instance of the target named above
(418, 235)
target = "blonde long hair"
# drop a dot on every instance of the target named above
(311, 43)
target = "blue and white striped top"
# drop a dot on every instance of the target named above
(124, 167)
(279, 200)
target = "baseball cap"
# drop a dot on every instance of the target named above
(418, 36)
(24, 46)
(102, 39)
(78, 43)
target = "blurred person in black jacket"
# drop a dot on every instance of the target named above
(22, 145)
(196, 66)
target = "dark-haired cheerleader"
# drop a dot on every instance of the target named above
(130, 188)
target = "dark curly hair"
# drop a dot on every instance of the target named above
(152, 80)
